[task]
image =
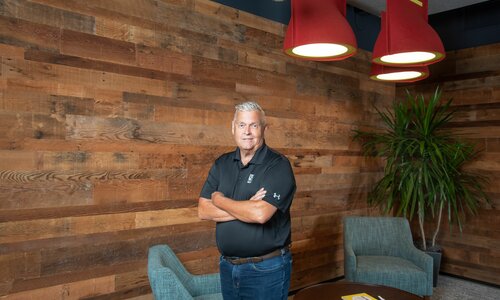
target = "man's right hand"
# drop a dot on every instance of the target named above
(261, 193)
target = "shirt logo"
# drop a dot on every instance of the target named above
(250, 178)
(278, 196)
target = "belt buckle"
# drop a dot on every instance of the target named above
(244, 260)
(256, 259)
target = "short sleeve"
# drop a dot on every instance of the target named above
(279, 182)
(211, 184)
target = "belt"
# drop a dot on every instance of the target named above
(256, 259)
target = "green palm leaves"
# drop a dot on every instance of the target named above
(423, 171)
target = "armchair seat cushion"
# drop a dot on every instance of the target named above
(391, 271)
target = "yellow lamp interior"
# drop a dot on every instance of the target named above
(320, 50)
(408, 57)
(405, 75)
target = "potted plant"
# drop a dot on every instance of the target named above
(423, 173)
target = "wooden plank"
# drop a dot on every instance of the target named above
(327, 181)
(8, 51)
(85, 176)
(486, 161)
(129, 191)
(70, 226)
(44, 75)
(90, 128)
(17, 265)
(166, 108)
(146, 9)
(26, 100)
(188, 188)
(177, 236)
(18, 160)
(91, 46)
(136, 292)
(478, 132)
(85, 63)
(14, 195)
(88, 210)
(194, 116)
(163, 60)
(85, 160)
(16, 125)
(198, 22)
(315, 275)
(230, 73)
(136, 278)
(26, 284)
(492, 145)
(325, 84)
(27, 34)
(73, 290)
(47, 15)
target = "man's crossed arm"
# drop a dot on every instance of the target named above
(222, 209)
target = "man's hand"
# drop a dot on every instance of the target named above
(259, 195)
(216, 194)
(208, 211)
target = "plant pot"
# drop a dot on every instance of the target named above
(436, 253)
(436, 257)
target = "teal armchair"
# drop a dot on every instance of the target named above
(380, 250)
(170, 280)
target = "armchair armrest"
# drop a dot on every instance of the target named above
(207, 284)
(421, 260)
(349, 262)
(166, 285)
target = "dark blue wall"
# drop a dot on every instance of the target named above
(464, 27)
(470, 26)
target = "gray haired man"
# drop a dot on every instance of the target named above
(248, 193)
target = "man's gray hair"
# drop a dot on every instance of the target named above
(250, 106)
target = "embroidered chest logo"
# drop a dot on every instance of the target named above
(277, 196)
(250, 178)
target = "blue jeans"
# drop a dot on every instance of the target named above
(265, 280)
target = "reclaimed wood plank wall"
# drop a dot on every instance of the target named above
(111, 113)
(471, 77)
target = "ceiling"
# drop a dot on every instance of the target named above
(460, 23)
(435, 6)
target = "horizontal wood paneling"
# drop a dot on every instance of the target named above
(111, 114)
(471, 78)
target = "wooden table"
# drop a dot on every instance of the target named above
(335, 290)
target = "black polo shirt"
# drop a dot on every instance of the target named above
(268, 169)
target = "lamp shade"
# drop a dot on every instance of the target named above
(398, 74)
(405, 37)
(318, 30)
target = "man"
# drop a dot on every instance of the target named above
(248, 193)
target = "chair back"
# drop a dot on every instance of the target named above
(163, 265)
(379, 236)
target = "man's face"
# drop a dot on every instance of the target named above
(248, 130)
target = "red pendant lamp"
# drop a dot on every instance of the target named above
(406, 39)
(318, 30)
(398, 74)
